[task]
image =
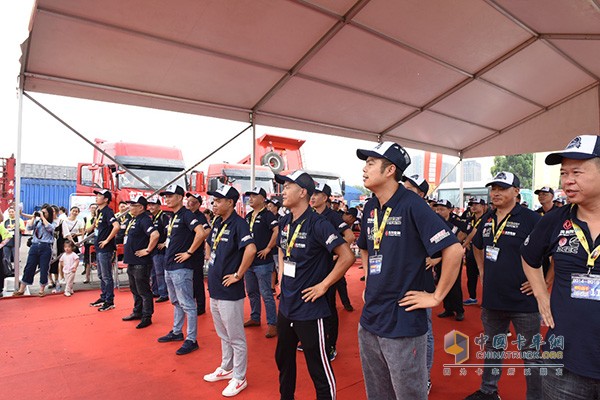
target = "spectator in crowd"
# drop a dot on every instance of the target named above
(89, 257)
(8, 251)
(57, 248)
(68, 263)
(73, 228)
(570, 235)
(40, 252)
(232, 251)
(161, 222)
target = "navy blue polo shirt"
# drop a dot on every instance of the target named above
(226, 258)
(262, 230)
(412, 233)
(105, 218)
(199, 253)
(575, 319)
(161, 222)
(311, 252)
(137, 237)
(182, 226)
(502, 279)
(335, 218)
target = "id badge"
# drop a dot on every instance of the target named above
(167, 242)
(585, 286)
(289, 268)
(375, 264)
(96, 232)
(491, 253)
(125, 240)
(211, 260)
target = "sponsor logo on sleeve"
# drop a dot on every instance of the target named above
(246, 238)
(438, 237)
(330, 239)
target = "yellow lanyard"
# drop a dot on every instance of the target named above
(218, 238)
(592, 255)
(477, 223)
(378, 230)
(253, 219)
(155, 218)
(292, 242)
(98, 220)
(170, 228)
(498, 232)
(129, 226)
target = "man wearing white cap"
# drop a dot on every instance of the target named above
(506, 292)
(545, 196)
(398, 231)
(571, 236)
(194, 201)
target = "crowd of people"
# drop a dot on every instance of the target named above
(533, 266)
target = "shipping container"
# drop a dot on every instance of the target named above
(35, 192)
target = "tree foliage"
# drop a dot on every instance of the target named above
(520, 164)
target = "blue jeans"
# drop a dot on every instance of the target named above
(429, 342)
(107, 288)
(180, 285)
(158, 270)
(569, 386)
(258, 284)
(497, 323)
(39, 254)
(7, 256)
(393, 368)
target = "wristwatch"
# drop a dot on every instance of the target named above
(189, 253)
(236, 276)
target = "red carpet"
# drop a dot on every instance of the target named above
(60, 348)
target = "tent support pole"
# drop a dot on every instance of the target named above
(253, 154)
(17, 204)
(461, 180)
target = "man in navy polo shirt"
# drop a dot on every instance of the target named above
(139, 240)
(194, 201)
(398, 231)
(161, 222)
(185, 235)
(545, 196)
(105, 230)
(571, 236)
(265, 229)
(506, 292)
(232, 251)
(478, 208)
(319, 201)
(305, 242)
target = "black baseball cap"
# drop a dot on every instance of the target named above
(444, 203)
(141, 200)
(104, 192)
(475, 200)
(505, 180)
(417, 181)
(582, 147)
(226, 192)
(300, 178)
(173, 189)
(275, 201)
(323, 188)
(352, 211)
(544, 189)
(391, 151)
(257, 191)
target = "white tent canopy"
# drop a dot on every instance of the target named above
(462, 77)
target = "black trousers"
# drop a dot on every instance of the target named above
(199, 293)
(312, 335)
(342, 289)
(332, 323)
(139, 283)
(453, 300)
(472, 276)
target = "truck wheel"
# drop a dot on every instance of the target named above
(273, 161)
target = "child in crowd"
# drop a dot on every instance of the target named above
(69, 261)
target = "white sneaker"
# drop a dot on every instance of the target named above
(219, 375)
(67, 294)
(235, 386)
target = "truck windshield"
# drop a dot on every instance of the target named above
(156, 178)
(242, 184)
(333, 182)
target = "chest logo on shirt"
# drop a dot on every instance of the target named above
(394, 221)
(568, 224)
(393, 233)
(568, 246)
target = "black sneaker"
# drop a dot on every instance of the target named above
(97, 303)
(348, 307)
(332, 354)
(161, 300)
(106, 307)
(479, 395)
(446, 314)
(171, 337)
(459, 316)
(146, 321)
(187, 347)
(132, 317)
